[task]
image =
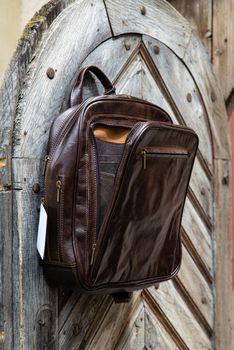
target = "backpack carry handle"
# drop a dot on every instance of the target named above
(77, 90)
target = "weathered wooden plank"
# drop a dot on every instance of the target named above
(199, 15)
(34, 303)
(155, 335)
(198, 63)
(115, 322)
(174, 310)
(117, 50)
(13, 81)
(198, 234)
(82, 322)
(186, 98)
(194, 288)
(224, 309)
(44, 107)
(223, 44)
(9, 95)
(66, 308)
(201, 187)
(133, 336)
(136, 80)
(151, 18)
(6, 328)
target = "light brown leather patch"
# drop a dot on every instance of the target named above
(111, 134)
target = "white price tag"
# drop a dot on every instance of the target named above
(41, 236)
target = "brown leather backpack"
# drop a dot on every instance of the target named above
(116, 177)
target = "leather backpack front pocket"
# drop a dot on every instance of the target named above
(139, 238)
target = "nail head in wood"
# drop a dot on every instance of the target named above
(189, 97)
(127, 45)
(213, 96)
(156, 49)
(225, 180)
(36, 188)
(203, 191)
(50, 73)
(203, 300)
(143, 10)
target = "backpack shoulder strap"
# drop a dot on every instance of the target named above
(77, 90)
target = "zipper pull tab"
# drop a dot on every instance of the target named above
(93, 252)
(144, 155)
(45, 162)
(58, 185)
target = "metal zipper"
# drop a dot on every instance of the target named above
(172, 153)
(45, 163)
(59, 188)
(58, 191)
(95, 213)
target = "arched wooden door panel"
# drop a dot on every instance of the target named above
(149, 51)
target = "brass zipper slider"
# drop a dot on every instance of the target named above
(45, 162)
(93, 252)
(59, 186)
(144, 155)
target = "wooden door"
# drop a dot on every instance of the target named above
(149, 51)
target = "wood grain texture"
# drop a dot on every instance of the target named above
(194, 287)
(201, 187)
(158, 16)
(223, 44)
(6, 326)
(14, 78)
(10, 92)
(114, 54)
(183, 92)
(224, 309)
(34, 303)
(137, 80)
(116, 320)
(197, 61)
(198, 234)
(176, 311)
(199, 15)
(79, 326)
(156, 336)
(133, 336)
(74, 19)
